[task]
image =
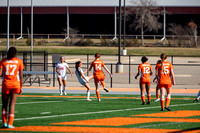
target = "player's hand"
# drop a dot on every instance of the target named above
(135, 77)
(111, 75)
(20, 92)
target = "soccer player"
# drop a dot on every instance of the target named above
(145, 70)
(62, 75)
(98, 74)
(197, 98)
(12, 70)
(84, 80)
(165, 78)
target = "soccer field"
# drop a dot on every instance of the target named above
(115, 113)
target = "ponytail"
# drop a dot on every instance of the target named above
(163, 57)
(76, 67)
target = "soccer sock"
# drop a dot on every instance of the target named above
(103, 84)
(149, 97)
(162, 103)
(98, 96)
(64, 88)
(157, 95)
(60, 89)
(4, 117)
(198, 95)
(167, 101)
(88, 95)
(143, 98)
(11, 119)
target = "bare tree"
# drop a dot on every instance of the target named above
(73, 35)
(146, 16)
(192, 29)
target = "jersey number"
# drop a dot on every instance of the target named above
(166, 70)
(97, 66)
(146, 69)
(12, 67)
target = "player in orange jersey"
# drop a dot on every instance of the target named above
(12, 70)
(98, 74)
(165, 78)
(145, 70)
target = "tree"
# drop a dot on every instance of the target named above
(146, 16)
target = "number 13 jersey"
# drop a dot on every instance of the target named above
(11, 69)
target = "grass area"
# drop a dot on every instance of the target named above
(171, 51)
(45, 109)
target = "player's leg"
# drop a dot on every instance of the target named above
(13, 98)
(88, 91)
(97, 90)
(148, 93)
(197, 98)
(64, 86)
(162, 98)
(90, 77)
(60, 85)
(168, 99)
(5, 98)
(142, 89)
(157, 94)
(102, 78)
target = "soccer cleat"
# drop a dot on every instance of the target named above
(195, 100)
(143, 103)
(10, 126)
(64, 93)
(99, 100)
(60, 94)
(157, 100)
(162, 110)
(148, 103)
(4, 125)
(89, 100)
(167, 108)
(105, 89)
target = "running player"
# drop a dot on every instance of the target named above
(84, 80)
(62, 75)
(98, 74)
(165, 77)
(197, 98)
(145, 70)
(12, 70)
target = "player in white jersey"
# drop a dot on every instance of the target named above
(61, 74)
(197, 98)
(84, 80)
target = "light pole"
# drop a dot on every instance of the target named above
(31, 60)
(124, 51)
(119, 67)
(8, 24)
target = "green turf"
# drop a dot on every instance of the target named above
(73, 109)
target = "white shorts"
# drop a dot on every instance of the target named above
(62, 77)
(82, 81)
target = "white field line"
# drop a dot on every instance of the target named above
(99, 112)
(156, 125)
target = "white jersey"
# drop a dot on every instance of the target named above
(62, 69)
(80, 78)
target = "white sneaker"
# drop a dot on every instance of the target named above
(60, 94)
(64, 93)
(99, 100)
(157, 100)
(10, 126)
(89, 100)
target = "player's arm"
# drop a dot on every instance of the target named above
(84, 77)
(172, 76)
(85, 71)
(151, 72)
(57, 71)
(139, 72)
(70, 71)
(1, 71)
(156, 75)
(107, 70)
(21, 80)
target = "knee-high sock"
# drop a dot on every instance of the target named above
(157, 95)
(88, 95)
(4, 117)
(162, 103)
(64, 88)
(98, 96)
(60, 89)
(149, 97)
(11, 119)
(143, 98)
(168, 101)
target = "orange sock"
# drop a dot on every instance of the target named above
(11, 119)
(167, 101)
(98, 96)
(103, 84)
(157, 95)
(4, 117)
(149, 97)
(162, 103)
(143, 98)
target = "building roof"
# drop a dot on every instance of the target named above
(94, 3)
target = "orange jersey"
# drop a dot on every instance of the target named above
(97, 67)
(164, 72)
(11, 69)
(145, 69)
